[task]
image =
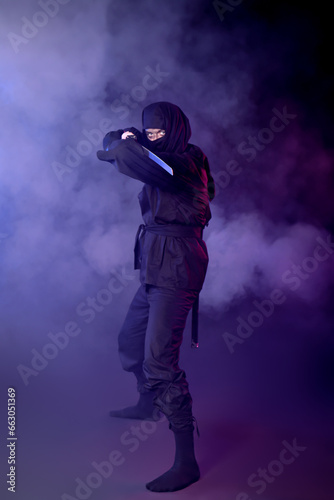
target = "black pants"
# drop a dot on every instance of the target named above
(149, 346)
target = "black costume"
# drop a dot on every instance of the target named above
(172, 258)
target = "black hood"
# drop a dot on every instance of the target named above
(168, 117)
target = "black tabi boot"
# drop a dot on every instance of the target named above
(185, 470)
(143, 410)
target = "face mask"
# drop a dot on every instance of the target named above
(168, 117)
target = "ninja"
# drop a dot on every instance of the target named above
(172, 258)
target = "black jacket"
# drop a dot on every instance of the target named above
(170, 251)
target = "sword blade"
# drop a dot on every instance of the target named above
(158, 160)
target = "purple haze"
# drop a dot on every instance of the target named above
(254, 87)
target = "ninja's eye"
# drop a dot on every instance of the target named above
(155, 135)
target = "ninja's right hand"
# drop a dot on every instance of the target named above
(128, 135)
(115, 135)
(131, 133)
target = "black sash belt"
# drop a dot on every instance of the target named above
(176, 230)
(180, 231)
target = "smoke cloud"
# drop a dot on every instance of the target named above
(249, 83)
(81, 74)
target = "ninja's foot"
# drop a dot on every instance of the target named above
(143, 410)
(176, 478)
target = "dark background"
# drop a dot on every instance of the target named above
(67, 225)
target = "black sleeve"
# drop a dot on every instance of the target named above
(116, 135)
(130, 159)
(188, 168)
(184, 165)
